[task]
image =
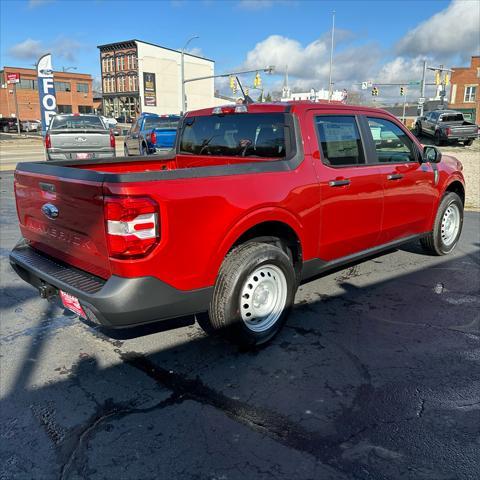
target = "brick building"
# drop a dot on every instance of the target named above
(73, 92)
(464, 94)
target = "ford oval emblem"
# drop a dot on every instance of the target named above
(50, 210)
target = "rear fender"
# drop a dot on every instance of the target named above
(252, 219)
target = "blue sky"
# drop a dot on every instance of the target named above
(372, 42)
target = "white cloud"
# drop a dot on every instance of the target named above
(308, 66)
(451, 32)
(30, 49)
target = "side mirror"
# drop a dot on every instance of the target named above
(431, 154)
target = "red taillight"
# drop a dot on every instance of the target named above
(132, 226)
(48, 141)
(448, 131)
(153, 138)
(112, 139)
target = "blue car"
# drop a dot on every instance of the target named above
(150, 134)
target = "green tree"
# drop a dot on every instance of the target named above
(260, 98)
(268, 97)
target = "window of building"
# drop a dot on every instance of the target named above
(64, 108)
(121, 62)
(392, 144)
(340, 140)
(470, 93)
(85, 109)
(26, 84)
(63, 87)
(112, 84)
(82, 87)
(134, 83)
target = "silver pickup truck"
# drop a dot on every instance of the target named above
(78, 137)
(446, 126)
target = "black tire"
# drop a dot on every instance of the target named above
(468, 142)
(418, 130)
(433, 242)
(225, 315)
(5, 129)
(438, 139)
(125, 150)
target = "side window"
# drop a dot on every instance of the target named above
(340, 140)
(392, 144)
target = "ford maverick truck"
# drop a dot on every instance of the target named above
(253, 200)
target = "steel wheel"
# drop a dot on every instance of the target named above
(263, 298)
(450, 224)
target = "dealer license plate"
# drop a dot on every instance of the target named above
(71, 303)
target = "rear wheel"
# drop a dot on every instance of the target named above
(5, 129)
(143, 150)
(438, 139)
(447, 226)
(468, 142)
(253, 294)
(125, 150)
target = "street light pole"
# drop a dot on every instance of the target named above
(182, 71)
(331, 59)
(66, 69)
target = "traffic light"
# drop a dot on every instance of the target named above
(374, 92)
(447, 79)
(402, 91)
(257, 82)
(438, 77)
(233, 84)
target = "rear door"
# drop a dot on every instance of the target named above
(351, 191)
(64, 219)
(409, 185)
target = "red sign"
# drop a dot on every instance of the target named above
(13, 77)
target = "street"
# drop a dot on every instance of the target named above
(375, 376)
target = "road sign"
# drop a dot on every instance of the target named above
(414, 82)
(13, 77)
(421, 100)
(366, 85)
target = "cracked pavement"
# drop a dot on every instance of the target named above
(376, 375)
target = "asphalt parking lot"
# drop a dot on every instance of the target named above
(376, 376)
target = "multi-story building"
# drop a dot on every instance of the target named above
(140, 77)
(73, 92)
(464, 95)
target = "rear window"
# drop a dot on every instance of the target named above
(154, 122)
(235, 135)
(456, 117)
(86, 122)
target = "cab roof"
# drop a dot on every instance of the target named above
(296, 106)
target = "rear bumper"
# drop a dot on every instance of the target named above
(115, 303)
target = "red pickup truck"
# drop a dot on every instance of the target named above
(254, 200)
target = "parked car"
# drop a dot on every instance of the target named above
(124, 119)
(78, 137)
(151, 134)
(446, 126)
(254, 200)
(8, 124)
(109, 121)
(30, 125)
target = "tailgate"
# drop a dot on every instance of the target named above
(165, 137)
(464, 130)
(80, 142)
(64, 218)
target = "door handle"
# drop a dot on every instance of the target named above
(339, 183)
(395, 176)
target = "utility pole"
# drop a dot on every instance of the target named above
(182, 71)
(422, 86)
(404, 105)
(16, 107)
(331, 58)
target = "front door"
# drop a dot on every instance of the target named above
(351, 191)
(409, 185)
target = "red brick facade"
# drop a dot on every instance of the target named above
(76, 95)
(464, 93)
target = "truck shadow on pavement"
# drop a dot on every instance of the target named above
(378, 378)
